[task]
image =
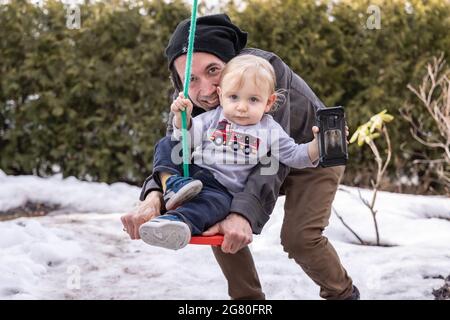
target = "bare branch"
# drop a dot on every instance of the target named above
(348, 227)
(363, 200)
(429, 161)
(434, 94)
(426, 143)
(389, 149)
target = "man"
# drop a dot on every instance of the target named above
(309, 192)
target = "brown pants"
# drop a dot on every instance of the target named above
(309, 195)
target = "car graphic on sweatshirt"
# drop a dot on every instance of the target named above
(224, 135)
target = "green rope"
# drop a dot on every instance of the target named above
(187, 80)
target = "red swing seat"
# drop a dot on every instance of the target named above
(215, 240)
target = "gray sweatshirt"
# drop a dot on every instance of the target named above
(296, 115)
(230, 151)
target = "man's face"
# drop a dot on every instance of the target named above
(205, 76)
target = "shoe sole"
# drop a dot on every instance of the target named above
(166, 234)
(185, 194)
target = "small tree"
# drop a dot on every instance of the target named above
(366, 134)
(434, 94)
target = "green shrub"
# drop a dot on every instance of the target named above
(88, 102)
(92, 102)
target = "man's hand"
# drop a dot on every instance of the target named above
(236, 230)
(146, 210)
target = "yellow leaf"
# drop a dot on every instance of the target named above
(360, 142)
(354, 136)
(379, 119)
(387, 117)
(377, 123)
(374, 135)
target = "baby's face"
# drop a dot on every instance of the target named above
(244, 105)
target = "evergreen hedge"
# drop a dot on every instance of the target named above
(92, 102)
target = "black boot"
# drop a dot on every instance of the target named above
(354, 295)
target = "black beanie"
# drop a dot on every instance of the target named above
(214, 34)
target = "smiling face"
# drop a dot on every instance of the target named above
(205, 77)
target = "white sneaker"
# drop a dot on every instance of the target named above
(166, 231)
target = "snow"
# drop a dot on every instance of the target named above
(81, 252)
(70, 193)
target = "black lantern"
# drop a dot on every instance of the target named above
(332, 139)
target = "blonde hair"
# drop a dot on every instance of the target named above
(246, 67)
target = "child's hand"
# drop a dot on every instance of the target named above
(313, 146)
(181, 104)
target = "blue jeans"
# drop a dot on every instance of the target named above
(210, 206)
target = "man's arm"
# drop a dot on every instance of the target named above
(150, 183)
(149, 186)
(147, 209)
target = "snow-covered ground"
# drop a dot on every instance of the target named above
(82, 252)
